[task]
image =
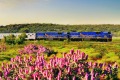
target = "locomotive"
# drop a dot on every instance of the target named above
(73, 36)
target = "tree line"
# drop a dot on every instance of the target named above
(43, 27)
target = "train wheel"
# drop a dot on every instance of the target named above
(82, 39)
(110, 39)
(106, 40)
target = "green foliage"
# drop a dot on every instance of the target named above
(11, 39)
(110, 54)
(117, 51)
(84, 45)
(6, 55)
(24, 30)
(66, 41)
(110, 57)
(95, 56)
(2, 47)
(20, 39)
(102, 49)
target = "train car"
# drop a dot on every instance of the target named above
(104, 36)
(31, 36)
(62, 35)
(40, 35)
(75, 36)
(47, 35)
(2, 35)
(97, 36)
(51, 35)
(88, 35)
(109, 36)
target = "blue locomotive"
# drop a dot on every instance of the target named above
(75, 36)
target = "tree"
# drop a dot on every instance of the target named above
(24, 30)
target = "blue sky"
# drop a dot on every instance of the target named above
(60, 11)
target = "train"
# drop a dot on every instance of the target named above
(73, 36)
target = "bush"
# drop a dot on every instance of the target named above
(11, 39)
(36, 49)
(20, 39)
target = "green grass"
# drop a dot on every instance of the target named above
(93, 49)
(7, 55)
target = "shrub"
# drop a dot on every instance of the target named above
(36, 49)
(11, 39)
(20, 39)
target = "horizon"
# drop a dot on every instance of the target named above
(64, 12)
(58, 24)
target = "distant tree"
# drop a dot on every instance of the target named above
(24, 30)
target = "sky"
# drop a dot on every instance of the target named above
(60, 11)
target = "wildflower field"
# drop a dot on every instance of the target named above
(60, 60)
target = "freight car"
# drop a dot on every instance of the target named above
(73, 36)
